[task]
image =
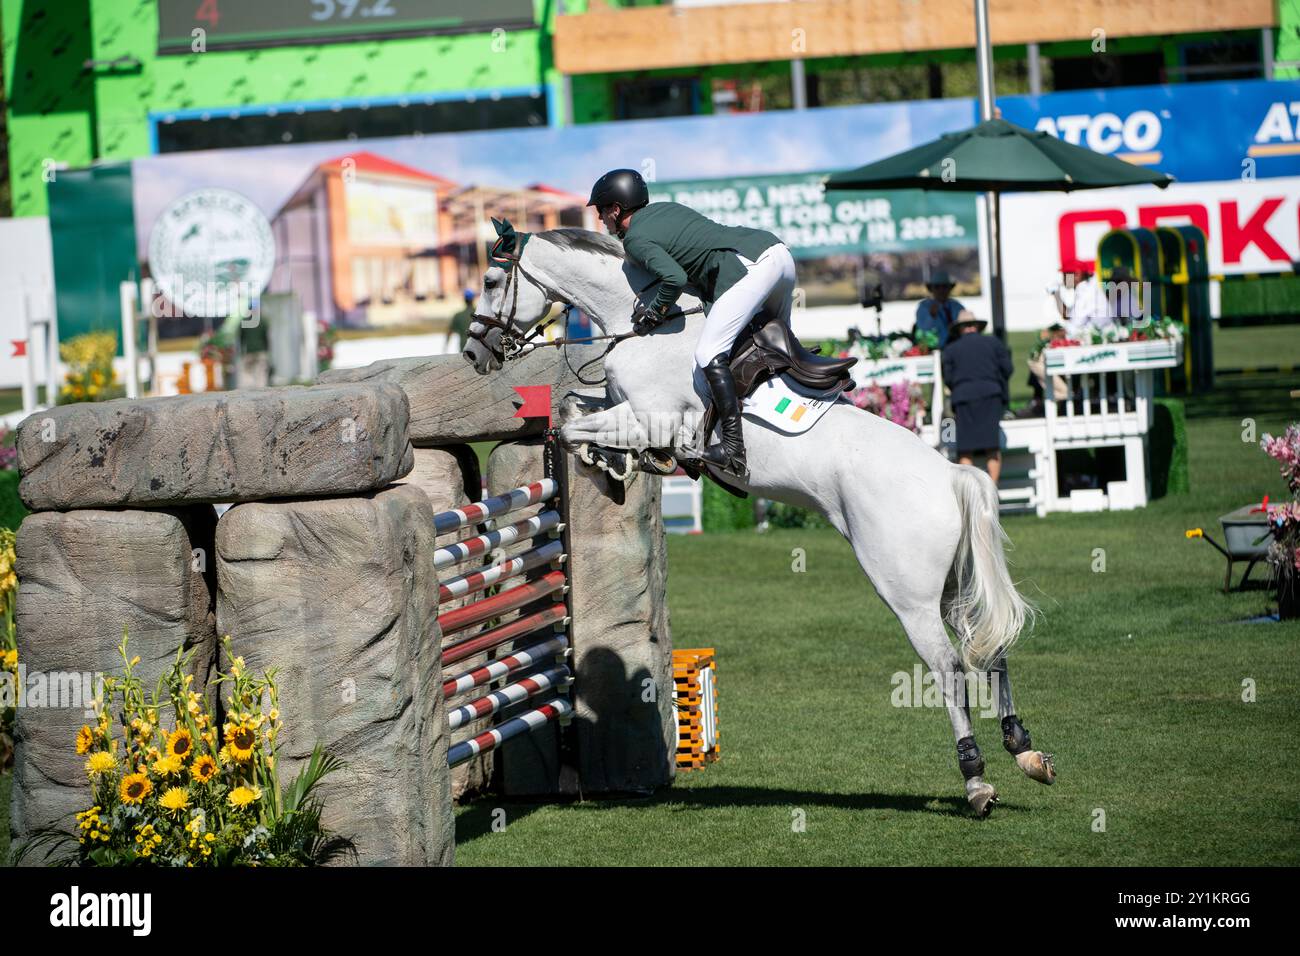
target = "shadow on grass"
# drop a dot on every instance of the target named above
(477, 820)
(1245, 396)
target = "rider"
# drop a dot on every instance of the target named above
(737, 270)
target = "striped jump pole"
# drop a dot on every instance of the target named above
(531, 686)
(478, 580)
(457, 619)
(493, 670)
(474, 547)
(525, 723)
(530, 494)
(554, 616)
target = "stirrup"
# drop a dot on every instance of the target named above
(718, 457)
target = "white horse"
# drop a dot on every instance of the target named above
(925, 531)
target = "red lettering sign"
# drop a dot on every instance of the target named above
(1151, 216)
(1070, 260)
(1238, 235)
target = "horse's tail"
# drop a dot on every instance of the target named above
(986, 611)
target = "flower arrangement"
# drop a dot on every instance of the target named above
(1284, 521)
(8, 452)
(326, 337)
(215, 348)
(90, 376)
(8, 646)
(182, 788)
(903, 403)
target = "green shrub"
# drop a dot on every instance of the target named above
(782, 515)
(723, 511)
(1169, 449)
(12, 511)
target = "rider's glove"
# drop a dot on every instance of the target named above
(644, 319)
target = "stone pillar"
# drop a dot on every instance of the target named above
(340, 596)
(83, 577)
(622, 643)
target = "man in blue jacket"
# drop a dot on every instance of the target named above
(737, 271)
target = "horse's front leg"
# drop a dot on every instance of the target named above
(614, 427)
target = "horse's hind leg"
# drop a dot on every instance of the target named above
(1036, 764)
(913, 590)
(926, 633)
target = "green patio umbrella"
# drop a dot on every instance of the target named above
(996, 157)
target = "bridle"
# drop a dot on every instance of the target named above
(515, 345)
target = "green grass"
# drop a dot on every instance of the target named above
(1133, 679)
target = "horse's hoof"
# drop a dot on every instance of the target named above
(981, 800)
(1037, 766)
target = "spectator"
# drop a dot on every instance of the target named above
(1088, 308)
(977, 369)
(1038, 374)
(937, 312)
(460, 323)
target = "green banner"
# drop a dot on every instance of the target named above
(816, 224)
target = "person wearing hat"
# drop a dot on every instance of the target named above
(937, 312)
(977, 369)
(460, 322)
(736, 270)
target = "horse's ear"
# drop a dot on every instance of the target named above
(502, 226)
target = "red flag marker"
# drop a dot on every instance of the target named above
(536, 402)
(20, 348)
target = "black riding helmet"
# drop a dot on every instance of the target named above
(622, 186)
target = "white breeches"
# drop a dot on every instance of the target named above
(768, 285)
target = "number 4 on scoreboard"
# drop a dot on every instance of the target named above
(208, 11)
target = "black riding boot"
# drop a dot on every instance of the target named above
(730, 454)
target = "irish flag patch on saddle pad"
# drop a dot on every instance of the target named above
(788, 406)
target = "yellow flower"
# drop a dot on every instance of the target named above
(168, 766)
(135, 787)
(242, 796)
(11, 659)
(100, 762)
(237, 667)
(85, 740)
(180, 744)
(204, 769)
(174, 800)
(240, 740)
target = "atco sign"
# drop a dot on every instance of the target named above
(1138, 132)
(211, 252)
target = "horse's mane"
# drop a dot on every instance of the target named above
(584, 240)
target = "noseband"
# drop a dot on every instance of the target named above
(512, 342)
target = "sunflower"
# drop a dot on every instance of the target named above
(242, 796)
(100, 762)
(204, 769)
(85, 740)
(174, 800)
(180, 744)
(240, 739)
(135, 787)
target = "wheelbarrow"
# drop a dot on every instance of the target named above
(1245, 536)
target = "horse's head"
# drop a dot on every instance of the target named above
(513, 300)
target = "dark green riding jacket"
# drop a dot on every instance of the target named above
(680, 246)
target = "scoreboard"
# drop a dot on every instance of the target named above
(253, 23)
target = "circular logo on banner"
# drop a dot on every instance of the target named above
(211, 252)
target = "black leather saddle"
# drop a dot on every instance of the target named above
(768, 347)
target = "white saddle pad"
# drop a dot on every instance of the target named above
(788, 406)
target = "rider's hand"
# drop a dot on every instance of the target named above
(644, 320)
